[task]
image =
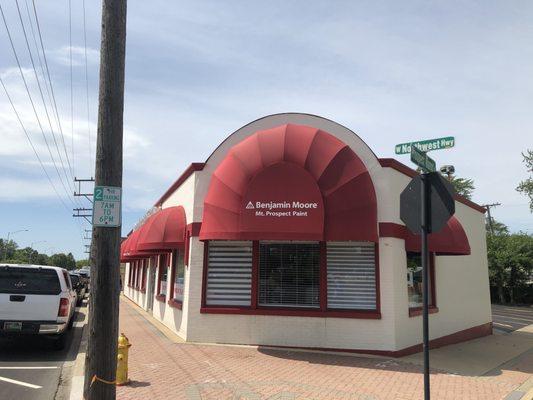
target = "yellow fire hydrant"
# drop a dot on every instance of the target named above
(122, 360)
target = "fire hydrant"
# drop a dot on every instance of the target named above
(122, 360)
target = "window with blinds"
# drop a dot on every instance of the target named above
(289, 274)
(229, 273)
(351, 275)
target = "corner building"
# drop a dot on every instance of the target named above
(290, 235)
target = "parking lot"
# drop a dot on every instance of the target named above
(30, 369)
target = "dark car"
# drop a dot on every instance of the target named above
(79, 286)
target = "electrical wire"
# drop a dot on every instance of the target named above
(71, 85)
(71, 187)
(51, 87)
(31, 144)
(32, 103)
(87, 85)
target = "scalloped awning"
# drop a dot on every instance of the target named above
(163, 231)
(300, 170)
(450, 240)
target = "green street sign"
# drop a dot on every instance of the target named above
(421, 159)
(426, 145)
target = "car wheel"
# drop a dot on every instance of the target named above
(71, 322)
(60, 342)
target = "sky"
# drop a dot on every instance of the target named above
(391, 71)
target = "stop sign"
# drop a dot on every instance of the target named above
(441, 205)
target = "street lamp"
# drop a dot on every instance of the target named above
(8, 236)
(31, 247)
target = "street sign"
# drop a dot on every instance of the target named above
(426, 145)
(107, 206)
(426, 204)
(441, 203)
(421, 159)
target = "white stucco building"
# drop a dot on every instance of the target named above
(290, 235)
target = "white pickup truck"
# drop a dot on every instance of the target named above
(36, 300)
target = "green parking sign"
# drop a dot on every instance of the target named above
(107, 206)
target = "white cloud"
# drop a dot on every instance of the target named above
(62, 56)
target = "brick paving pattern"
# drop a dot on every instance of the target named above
(161, 369)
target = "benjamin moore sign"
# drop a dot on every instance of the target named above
(106, 207)
(281, 209)
(426, 145)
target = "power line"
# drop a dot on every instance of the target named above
(31, 143)
(71, 86)
(32, 103)
(87, 83)
(42, 95)
(51, 87)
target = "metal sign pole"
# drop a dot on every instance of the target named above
(426, 228)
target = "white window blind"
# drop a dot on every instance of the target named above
(351, 275)
(229, 273)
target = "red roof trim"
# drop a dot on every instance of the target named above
(404, 169)
(188, 172)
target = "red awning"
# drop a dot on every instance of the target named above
(130, 251)
(123, 247)
(163, 231)
(450, 240)
(291, 182)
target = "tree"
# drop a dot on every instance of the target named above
(63, 260)
(7, 249)
(510, 260)
(82, 263)
(499, 228)
(526, 186)
(463, 186)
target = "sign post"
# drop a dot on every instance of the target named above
(426, 204)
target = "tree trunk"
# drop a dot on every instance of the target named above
(501, 294)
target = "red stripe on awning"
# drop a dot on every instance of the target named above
(163, 231)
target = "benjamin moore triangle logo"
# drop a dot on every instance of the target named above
(250, 206)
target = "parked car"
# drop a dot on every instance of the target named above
(36, 300)
(86, 277)
(79, 285)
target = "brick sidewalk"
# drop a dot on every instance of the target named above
(161, 369)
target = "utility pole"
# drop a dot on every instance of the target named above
(488, 206)
(101, 356)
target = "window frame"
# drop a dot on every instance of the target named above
(433, 308)
(172, 302)
(323, 311)
(162, 264)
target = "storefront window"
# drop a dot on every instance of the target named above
(289, 274)
(351, 270)
(229, 278)
(179, 275)
(414, 280)
(163, 274)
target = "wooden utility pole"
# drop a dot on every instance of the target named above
(101, 356)
(489, 217)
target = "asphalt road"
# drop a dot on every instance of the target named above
(30, 369)
(511, 318)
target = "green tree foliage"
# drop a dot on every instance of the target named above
(82, 263)
(498, 227)
(11, 253)
(463, 186)
(526, 186)
(510, 260)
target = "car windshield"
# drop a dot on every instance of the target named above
(29, 280)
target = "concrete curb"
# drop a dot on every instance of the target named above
(77, 381)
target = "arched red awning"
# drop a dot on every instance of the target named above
(130, 251)
(163, 231)
(292, 182)
(123, 247)
(450, 240)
